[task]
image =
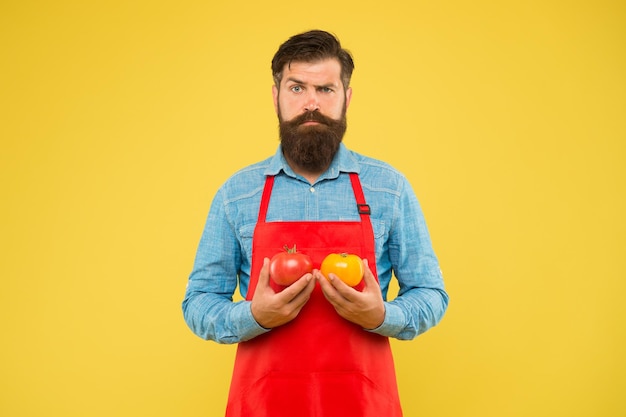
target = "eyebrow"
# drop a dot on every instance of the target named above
(297, 81)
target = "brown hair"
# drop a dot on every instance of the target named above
(312, 46)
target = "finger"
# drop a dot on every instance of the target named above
(303, 285)
(264, 275)
(339, 285)
(301, 298)
(368, 276)
(324, 282)
(330, 288)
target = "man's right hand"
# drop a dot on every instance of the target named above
(271, 309)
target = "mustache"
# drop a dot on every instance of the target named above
(312, 116)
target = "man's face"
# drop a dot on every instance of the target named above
(311, 105)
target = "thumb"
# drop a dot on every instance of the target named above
(368, 276)
(264, 276)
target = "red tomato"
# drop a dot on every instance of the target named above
(348, 267)
(289, 266)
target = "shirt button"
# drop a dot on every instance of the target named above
(312, 189)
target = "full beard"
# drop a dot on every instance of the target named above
(312, 147)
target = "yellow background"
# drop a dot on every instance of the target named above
(119, 120)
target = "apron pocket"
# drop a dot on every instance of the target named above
(316, 394)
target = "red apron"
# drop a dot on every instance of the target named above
(319, 364)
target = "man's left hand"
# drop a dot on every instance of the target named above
(365, 308)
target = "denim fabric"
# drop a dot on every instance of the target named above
(403, 246)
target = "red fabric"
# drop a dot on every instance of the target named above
(319, 364)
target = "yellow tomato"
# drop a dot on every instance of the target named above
(348, 267)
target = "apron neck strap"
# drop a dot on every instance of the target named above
(265, 198)
(364, 209)
(366, 224)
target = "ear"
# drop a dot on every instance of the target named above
(275, 97)
(348, 96)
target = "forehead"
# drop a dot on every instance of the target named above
(324, 71)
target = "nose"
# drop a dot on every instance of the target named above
(312, 103)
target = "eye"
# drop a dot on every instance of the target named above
(296, 89)
(326, 90)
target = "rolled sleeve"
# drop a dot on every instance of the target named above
(394, 322)
(247, 326)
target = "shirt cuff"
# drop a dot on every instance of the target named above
(393, 323)
(247, 326)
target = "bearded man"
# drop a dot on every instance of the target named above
(317, 347)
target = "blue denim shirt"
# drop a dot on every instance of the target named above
(403, 246)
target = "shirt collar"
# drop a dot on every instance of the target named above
(343, 161)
